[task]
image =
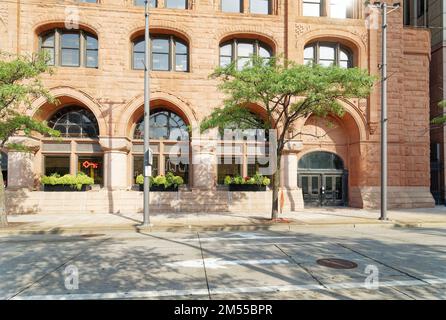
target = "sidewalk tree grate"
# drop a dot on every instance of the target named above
(337, 263)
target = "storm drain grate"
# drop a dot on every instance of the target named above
(337, 263)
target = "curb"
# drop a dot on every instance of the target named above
(211, 227)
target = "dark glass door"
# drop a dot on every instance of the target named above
(322, 189)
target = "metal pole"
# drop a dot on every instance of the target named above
(384, 114)
(147, 160)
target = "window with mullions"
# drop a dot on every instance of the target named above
(321, 160)
(164, 125)
(327, 54)
(241, 50)
(75, 122)
(70, 48)
(168, 53)
(175, 4)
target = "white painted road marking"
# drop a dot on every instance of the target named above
(204, 292)
(217, 263)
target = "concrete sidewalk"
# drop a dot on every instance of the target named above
(96, 222)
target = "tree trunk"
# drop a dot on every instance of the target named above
(3, 217)
(276, 186)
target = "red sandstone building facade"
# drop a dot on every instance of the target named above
(99, 83)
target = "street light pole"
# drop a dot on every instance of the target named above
(147, 155)
(384, 114)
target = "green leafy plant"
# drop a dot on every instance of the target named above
(166, 181)
(68, 179)
(256, 179)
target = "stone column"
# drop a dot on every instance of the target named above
(115, 162)
(289, 171)
(21, 164)
(204, 164)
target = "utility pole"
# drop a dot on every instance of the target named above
(384, 113)
(147, 153)
(383, 6)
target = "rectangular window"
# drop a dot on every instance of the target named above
(232, 6)
(91, 52)
(178, 169)
(311, 8)
(234, 168)
(48, 45)
(88, 1)
(341, 9)
(260, 6)
(176, 4)
(152, 3)
(70, 49)
(181, 61)
(92, 167)
(160, 54)
(57, 164)
(254, 167)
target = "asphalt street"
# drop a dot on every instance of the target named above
(382, 262)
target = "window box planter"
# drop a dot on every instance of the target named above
(64, 188)
(160, 188)
(246, 187)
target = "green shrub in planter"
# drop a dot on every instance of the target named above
(68, 179)
(257, 179)
(166, 181)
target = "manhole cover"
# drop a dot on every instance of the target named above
(92, 235)
(337, 263)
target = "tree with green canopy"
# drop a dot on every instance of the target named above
(287, 92)
(20, 84)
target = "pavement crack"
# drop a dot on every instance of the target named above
(204, 267)
(54, 269)
(303, 267)
(382, 263)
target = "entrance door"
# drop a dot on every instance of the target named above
(322, 190)
(311, 189)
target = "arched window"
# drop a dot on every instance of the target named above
(328, 53)
(167, 53)
(321, 160)
(164, 125)
(241, 50)
(75, 122)
(70, 48)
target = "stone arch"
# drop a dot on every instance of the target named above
(135, 109)
(351, 40)
(158, 29)
(255, 35)
(42, 110)
(352, 118)
(47, 25)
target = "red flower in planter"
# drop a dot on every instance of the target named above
(247, 178)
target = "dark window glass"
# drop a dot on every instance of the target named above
(160, 54)
(92, 167)
(75, 122)
(57, 164)
(228, 166)
(177, 168)
(321, 160)
(165, 125)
